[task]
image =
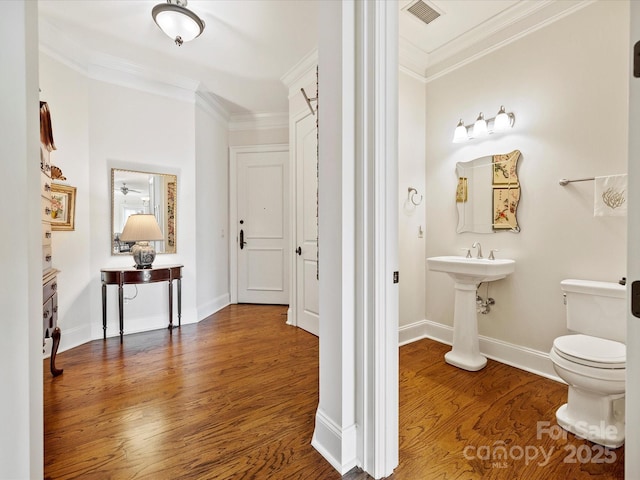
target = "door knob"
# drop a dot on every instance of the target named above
(299, 250)
(242, 242)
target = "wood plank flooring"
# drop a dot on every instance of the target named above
(234, 397)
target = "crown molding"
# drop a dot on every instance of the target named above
(259, 121)
(54, 43)
(298, 76)
(113, 70)
(106, 68)
(212, 106)
(413, 60)
(499, 31)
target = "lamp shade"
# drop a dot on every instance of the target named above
(141, 227)
(177, 21)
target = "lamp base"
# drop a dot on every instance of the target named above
(143, 254)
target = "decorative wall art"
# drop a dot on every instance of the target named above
(63, 207)
(505, 204)
(461, 190)
(504, 168)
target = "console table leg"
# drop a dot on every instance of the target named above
(179, 302)
(104, 311)
(170, 305)
(55, 335)
(121, 309)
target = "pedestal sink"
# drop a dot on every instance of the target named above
(468, 273)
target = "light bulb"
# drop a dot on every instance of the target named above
(480, 127)
(460, 134)
(502, 121)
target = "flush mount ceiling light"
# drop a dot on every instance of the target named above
(502, 122)
(177, 21)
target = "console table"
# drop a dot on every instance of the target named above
(131, 275)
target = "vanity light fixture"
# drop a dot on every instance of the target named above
(482, 127)
(177, 21)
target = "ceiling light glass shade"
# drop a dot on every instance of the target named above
(502, 121)
(177, 21)
(480, 127)
(460, 134)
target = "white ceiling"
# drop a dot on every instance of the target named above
(248, 45)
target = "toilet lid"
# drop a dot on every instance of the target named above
(591, 351)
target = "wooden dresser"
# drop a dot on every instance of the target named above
(49, 274)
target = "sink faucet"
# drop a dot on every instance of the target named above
(477, 244)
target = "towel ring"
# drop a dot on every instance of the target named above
(411, 196)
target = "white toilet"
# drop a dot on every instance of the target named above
(593, 361)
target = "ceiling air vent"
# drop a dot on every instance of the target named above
(423, 12)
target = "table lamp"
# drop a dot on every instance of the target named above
(142, 228)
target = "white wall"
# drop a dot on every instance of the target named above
(258, 136)
(567, 85)
(411, 173)
(21, 450)
(212, 210)
(67, 92)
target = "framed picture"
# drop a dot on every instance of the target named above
(505, 206)
(505, 168)
(461, 190)
(63, 207)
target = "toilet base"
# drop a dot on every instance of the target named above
(597, 418)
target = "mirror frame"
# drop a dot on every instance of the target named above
(169, 205)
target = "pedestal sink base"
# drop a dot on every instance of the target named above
(467, 274)
(473, 363)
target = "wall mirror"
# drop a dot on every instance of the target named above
(488, 194)
(143, 192)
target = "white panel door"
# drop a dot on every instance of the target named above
(306, 145)
(262, 216)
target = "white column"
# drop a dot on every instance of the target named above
(21, 434)
(632, 440)
(357, 416)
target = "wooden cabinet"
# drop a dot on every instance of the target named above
(49, 274)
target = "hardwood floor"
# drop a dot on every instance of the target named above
(234, 397)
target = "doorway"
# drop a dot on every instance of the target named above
(259, 218)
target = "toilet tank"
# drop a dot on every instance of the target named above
(596, 308)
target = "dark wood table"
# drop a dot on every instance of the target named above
(122, 276)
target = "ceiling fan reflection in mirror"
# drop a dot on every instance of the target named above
(124, 189)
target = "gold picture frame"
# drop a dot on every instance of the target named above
(63, 207)
(505, 206)
(461, 190)
(505, 168)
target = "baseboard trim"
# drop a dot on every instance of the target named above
(213, 306)
(70, 338)
(517, 356)
(335, 444)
